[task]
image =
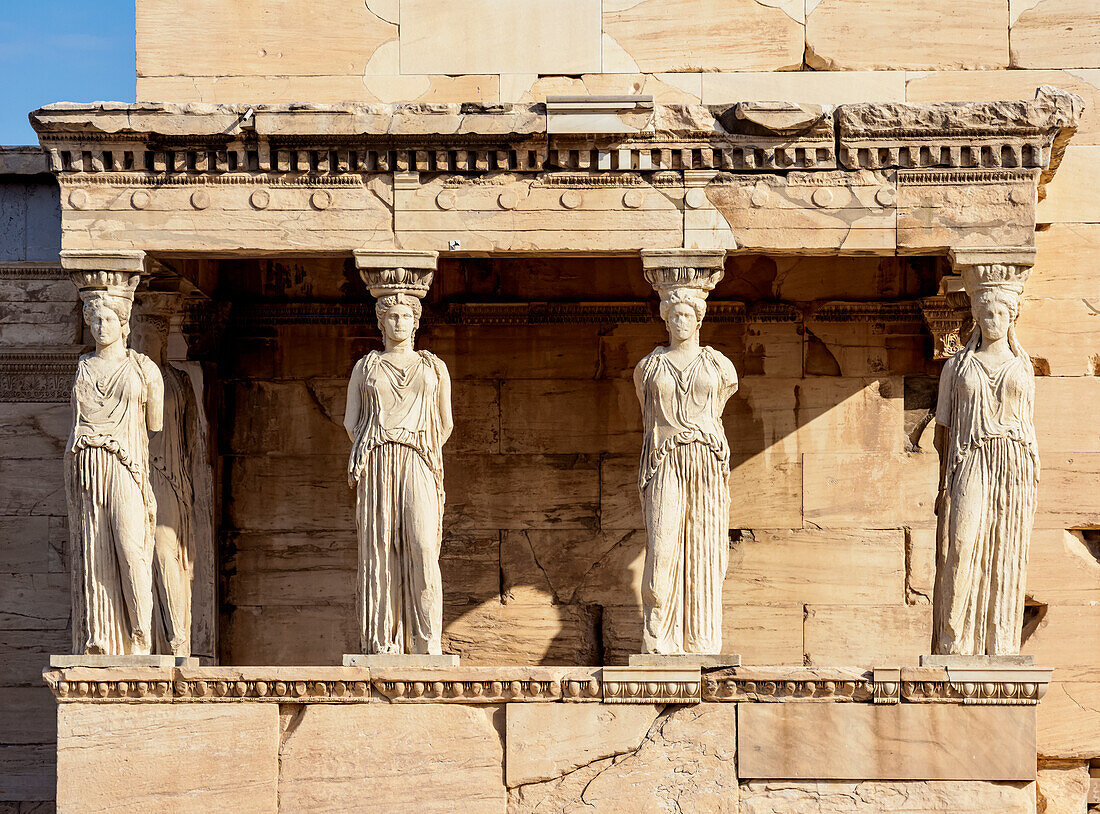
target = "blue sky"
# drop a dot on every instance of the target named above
(62, 51)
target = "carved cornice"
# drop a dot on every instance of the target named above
(32, 271)
(497, 685)
(43, 374)
(180, 141)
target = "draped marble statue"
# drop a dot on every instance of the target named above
(171, 457)
(398, 417)
(117, 401)
(989, 474)
(684, 471)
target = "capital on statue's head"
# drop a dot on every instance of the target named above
(669, 270)
(121, 284)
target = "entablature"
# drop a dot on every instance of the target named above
(581, 175)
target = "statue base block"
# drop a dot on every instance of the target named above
(703, 661)
(398, 660)
(976, 662)
(66, 662)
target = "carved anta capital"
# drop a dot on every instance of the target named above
(393, 271)
(670, 269)
(993, 267)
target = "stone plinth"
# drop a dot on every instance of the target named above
(123, 661)
(977, 662)
(510, 738)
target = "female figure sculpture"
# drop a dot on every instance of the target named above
(684, 476)
(989, 475)
(117, 402)
(399, 417)
(171, 455)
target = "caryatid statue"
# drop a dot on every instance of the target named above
(117, 401)
(685, 465)
(171, 459)
(398, 417)
(989, 466)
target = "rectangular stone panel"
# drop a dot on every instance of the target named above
(1062, 570)
(1069, 715)
(522, 633)
(931, 35)
(159, 757)
(1058, 429)
(546, 741)
(383, 757)
(861, 490)
(28, 714)
(28, 773)
(864, 567)
(1065, 636)
(885, 742)
(867, 635)
(1055, 34)
(708, 35)
(1068, 497)
(289, 634)
(1059, 335)
(1072, 195)
(481, 36)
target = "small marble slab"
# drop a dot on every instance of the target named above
(69, 662)
(686, 660)
(396, 661)
(977, 662)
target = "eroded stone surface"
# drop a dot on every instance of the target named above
(382, 757)
(882, 797)
(685, 762)
(546, 742)
(1062, 787)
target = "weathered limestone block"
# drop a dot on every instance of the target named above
(290, 568)
(1060, 336)
(280, 492)
(1054, 34)
(1061, 268)
(808, 566)
(34, 601)
(806, 87)
(29, 773)
(1072, 196)
(1065, 636)
(686, 761)
(32, 486)
(337, 39)
(1062, 570)
(34, 430)
(521, 633)
(382, 757)
(26, 652)
(534, 352)
(561, 416)
(1064, 500)
(1058, 429)
(494, 491)
(476, 36)
(886, 742)
(179, 757)
(857, 490)
(869, 636)
(761, 634)
(886, 797)
(544, 742)
(1069, 715)
(28, 714)
(708, 35)
(1062, 787)
(603, 568)
(289, 634)
(665, 88)
(865, 35)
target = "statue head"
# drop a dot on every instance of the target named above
(108, 317)
(682, 310)
(150, 336)
(995, 309)
(398, 316)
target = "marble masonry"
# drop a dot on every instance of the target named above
(624, 405)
